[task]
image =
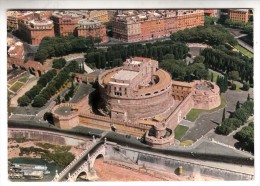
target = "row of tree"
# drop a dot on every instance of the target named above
(63, 45)
(181, 71)
(236, 119)
(246, 27)
(225, 62)
(56, 83)
(210, 34)
(27, 98)
(246, 137)
(222, 82)
(115, 55)
(58, 63)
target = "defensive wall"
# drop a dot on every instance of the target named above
(140, 98)
(143, 158)
(107, 123)
(137, 129)
(47, 136)
(66, 115)
(31, 66)
(171, 164)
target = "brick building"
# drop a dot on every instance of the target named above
(33, 31)
(238, 15)
(140, 25)
(189, 19)
(15, 55)
(111, 14)
(43, 14)
(210, 12)
(65, 23)
(14, 16)
(92, 28)
(101, 15)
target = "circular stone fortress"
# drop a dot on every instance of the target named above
(141, 99)
(136, 90)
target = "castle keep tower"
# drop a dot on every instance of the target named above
(136, 90)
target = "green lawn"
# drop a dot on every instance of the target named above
(24, 79)
(16, 86)
(179, 131)
(244, 51)
(194, 113)
(215, 76)
(186, 143)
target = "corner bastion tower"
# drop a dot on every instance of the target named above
(136, 90)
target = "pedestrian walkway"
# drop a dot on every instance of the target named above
(187, 123)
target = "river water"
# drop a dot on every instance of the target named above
(51, 167)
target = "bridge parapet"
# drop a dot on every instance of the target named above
(88, 166)
(62, 173)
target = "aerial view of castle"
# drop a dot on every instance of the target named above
(130, 95)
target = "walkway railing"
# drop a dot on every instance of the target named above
(84, 165)
(66, 170)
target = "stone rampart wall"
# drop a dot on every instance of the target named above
(180, 112)
(171, 164)
(50, 137)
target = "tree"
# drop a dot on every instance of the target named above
(241, 114)
(224, 114)
(168, 56)
(233, 75)
(199, 59)
(248, 106)
(117, 62)
(67, 97)
(212, 77)
(233, 86)
(246, 137)
(246, 86)
(59, 63)
(228, 125)
(248, 97)
(225, 83)
(237, 105)
(210, 20)
(58, 100)
(24, 101)
(39, 101)
(48, 117)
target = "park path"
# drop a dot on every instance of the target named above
(25, 88)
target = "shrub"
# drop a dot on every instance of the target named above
(228, 125)
(233, 86)
(246, 86)
(241, 114)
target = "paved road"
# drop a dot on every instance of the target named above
(243, 44)
(237, 34)
(80, 58)
(118, 42)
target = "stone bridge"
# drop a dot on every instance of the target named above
(83, 165)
